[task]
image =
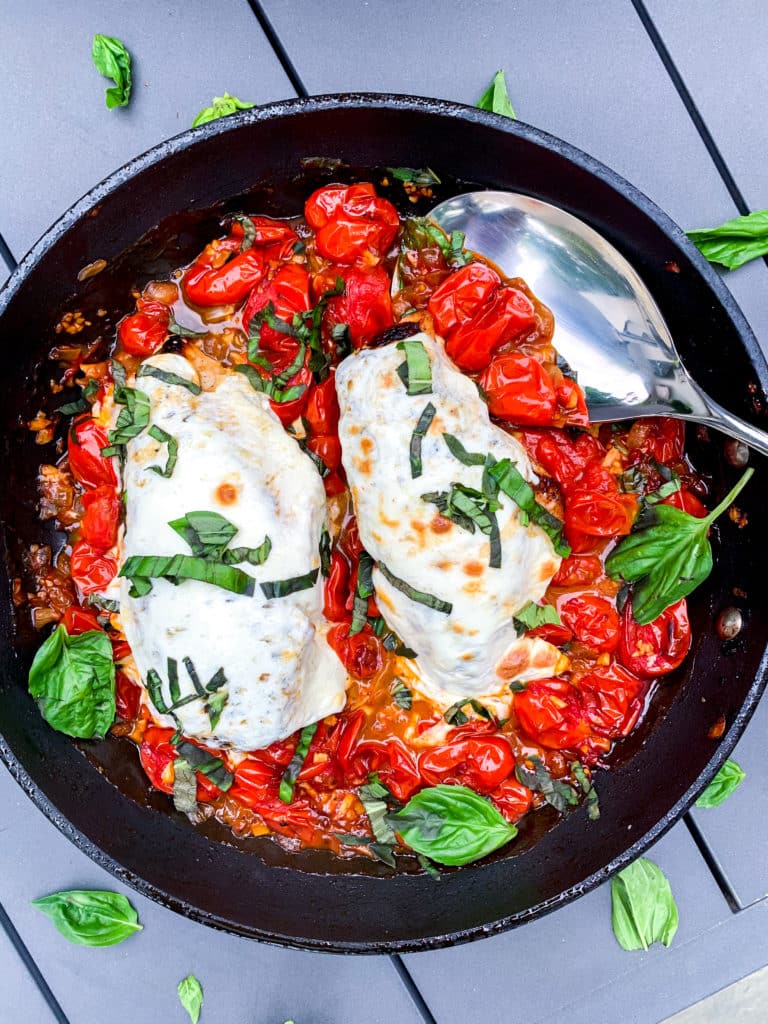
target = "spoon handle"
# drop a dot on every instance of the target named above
(724, 421)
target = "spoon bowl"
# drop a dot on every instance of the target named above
(608, 329)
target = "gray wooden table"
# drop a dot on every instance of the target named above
(671, 94)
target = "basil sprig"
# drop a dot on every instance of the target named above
(666, 556)
(736, 241)
(419, 432)
(452, 825)
(291, 773)
(221, 106)
(72, 678)
(496, 98)
(516, 487)
(416, 371)
(113, 61)
(191, 996)
(729, 778)
(436, 603)
(532, 615)
(89, 917)
(643, 909)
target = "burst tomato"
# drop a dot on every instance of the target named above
(127, 697)
(481, 762)
(365, 307)
(519, 389)
(336, 589)
(578, 571)
(686, 501)
(549, 713)
(361, 654)
(79, 620)
(593, 620)
(351, 221)
(461, 295)
(512, 798)
(394, 764)
(88, 465)
(658, 647)
(508, 315)
(91, 570)
(288, 291)
(98, 527)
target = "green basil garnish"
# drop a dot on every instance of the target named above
(532, 615)
(735, 242)
(173, 450)
(213, 696)
(516, 487)
(133, 419)
(419, 431)
(72, 678)
(207, 533)
(253, 556)
(423, 176)
(80, 404)
(469, 508)
(282, 588)
(496, 98)
(533, 774)
(401, 695)
(591, 800)
(184, 786)
(89, 917)
(191, 996)
(296, 763)
(325, 553)
(730, 776)
(416, 371)
(149, 370)
(452, 825)
(211, 767)
(375, 800)
(140, 569)
(666, 556)
(415, 595)
(221, 106)
(458, 451)
(113, 61)
(249, 231)
(421, 233)
(643, 909)
(455, 714)
(363, 590)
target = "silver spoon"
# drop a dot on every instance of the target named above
(607, 326)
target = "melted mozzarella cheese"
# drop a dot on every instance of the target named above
(234, 458)
(474, 650)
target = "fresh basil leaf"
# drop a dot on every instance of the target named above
(296, 763)
(643, 909)
(532, 615)
(591, 802)
(401, 695)
(496, 98)
(423, 176)
(428, 866)
(208, 534)
(666, 556)
(283, 588)
(113, 61)
(415, 595)
(200, 760)
(455, 715)
(141, 569)
(89, 917)
(416, 371)
(516, 487)
(419, 431)
(133, 418)
(148, 370)
(253, 556)
(470, 826)
(377, 810)
(191, 997)
(363, 590)
(458, 451)
(221, 106)
(736, 241)
(215, 705)
(184, 786)
(72, 678)
(533, 774)
(729, 778)
(173, 451)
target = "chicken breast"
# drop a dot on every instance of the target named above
(461, 626)
(276, 672)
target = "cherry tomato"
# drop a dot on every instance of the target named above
(256, 784)
(98, 526)
(512, 798)
(519, 389)
(600, 515)
(612, 699)
(142, 334)
(337, 589)
(344, 737)
(322, 412)
(157, 755)
(481, 762)
(562, 457)
(79, 620)
(658, 647)
(578, 571)
(508, 314)
(127, 697)
(334, 483)
(659, 438)
(359, 654)
(351, 221)
(88, 465)
(91, 570)
(462, 294)
(327, 449)
(366, 305)
(392, 761)
(686, 501)
(549, 713)
(594, 621)
(288, 291)
(552, 633)
(571, 399)
(349, 540)
(208, 286)
(291, 410)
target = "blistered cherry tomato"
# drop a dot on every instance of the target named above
(462, 294)
(508, 314)
(550, 714)
(563, 458)
(552, 633)
(361, 654)
(686, 501)
(127, 697)
(327, 449)
(593, 620)
(322, 412)
(89, 467)
(366, 305)
(91, 570)
(659, 438)
(351, 221)
(394, 764)
(519, 389)
(337, 589)
(612, 699)
(578, 571)
(658, 647)
(98, 527)
(79, 620)
(480, 762)
(600, 514)
(143, 333)
(288, 291)
(512, 798)
(157, 755)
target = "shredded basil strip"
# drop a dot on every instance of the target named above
(415, 595)
(514, 485)
(177, 568)
(401, 695)
(211, 767)
(174, 327)
(591, 802)
(363, 590)
(469, 508)
(207, 533)
(211, 693)
(133, 418)
(419, 432)
(325, 553)
(418, 176)
(296, 763)
(148, 370)
(253, 556)
(282, 588)
(455, 714)
(416, 371)
(173, 450)
(458, 451)
(533, 774)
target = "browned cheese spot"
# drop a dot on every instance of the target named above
(474, 568)
(226, 494)
(440, 524)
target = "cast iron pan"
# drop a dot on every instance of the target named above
(96, 793)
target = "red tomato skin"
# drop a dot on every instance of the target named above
(337, 589)
(461, 295)
(327, 449)
(393, 762)
(578, 571)
(322, 412)
(142, 334)
(79, 620)
(157, 755)
(561, 457)
(613, 700)
(509, 314)
(326, 202)
(593, 620)
(98, 526)
(686, 501)
(660, 438)
(288, 291)
(552, 633)
(658, 647)
(549, 713)
(519, 389)
(350, 222)
(127, 697)
(208, 286)
(91, 570)
(600, 514)
(359, 654)
(89, 467)
(481, 762)
(366, 305)
(512, 798)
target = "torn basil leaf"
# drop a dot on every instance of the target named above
(423, 176)
(455, 715)
(729, 778)
(643, 909)
(184, 786)
(401, 695)
(496, 98)
(190, 993)
(282, 588)
(416, 371)
(113, 60)
(201, 761)
(736, 241)
(415, 595)
(296, 763)
(221, 106)
(532, 773)
(533, 615)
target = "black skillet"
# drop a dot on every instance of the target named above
(96, 793)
